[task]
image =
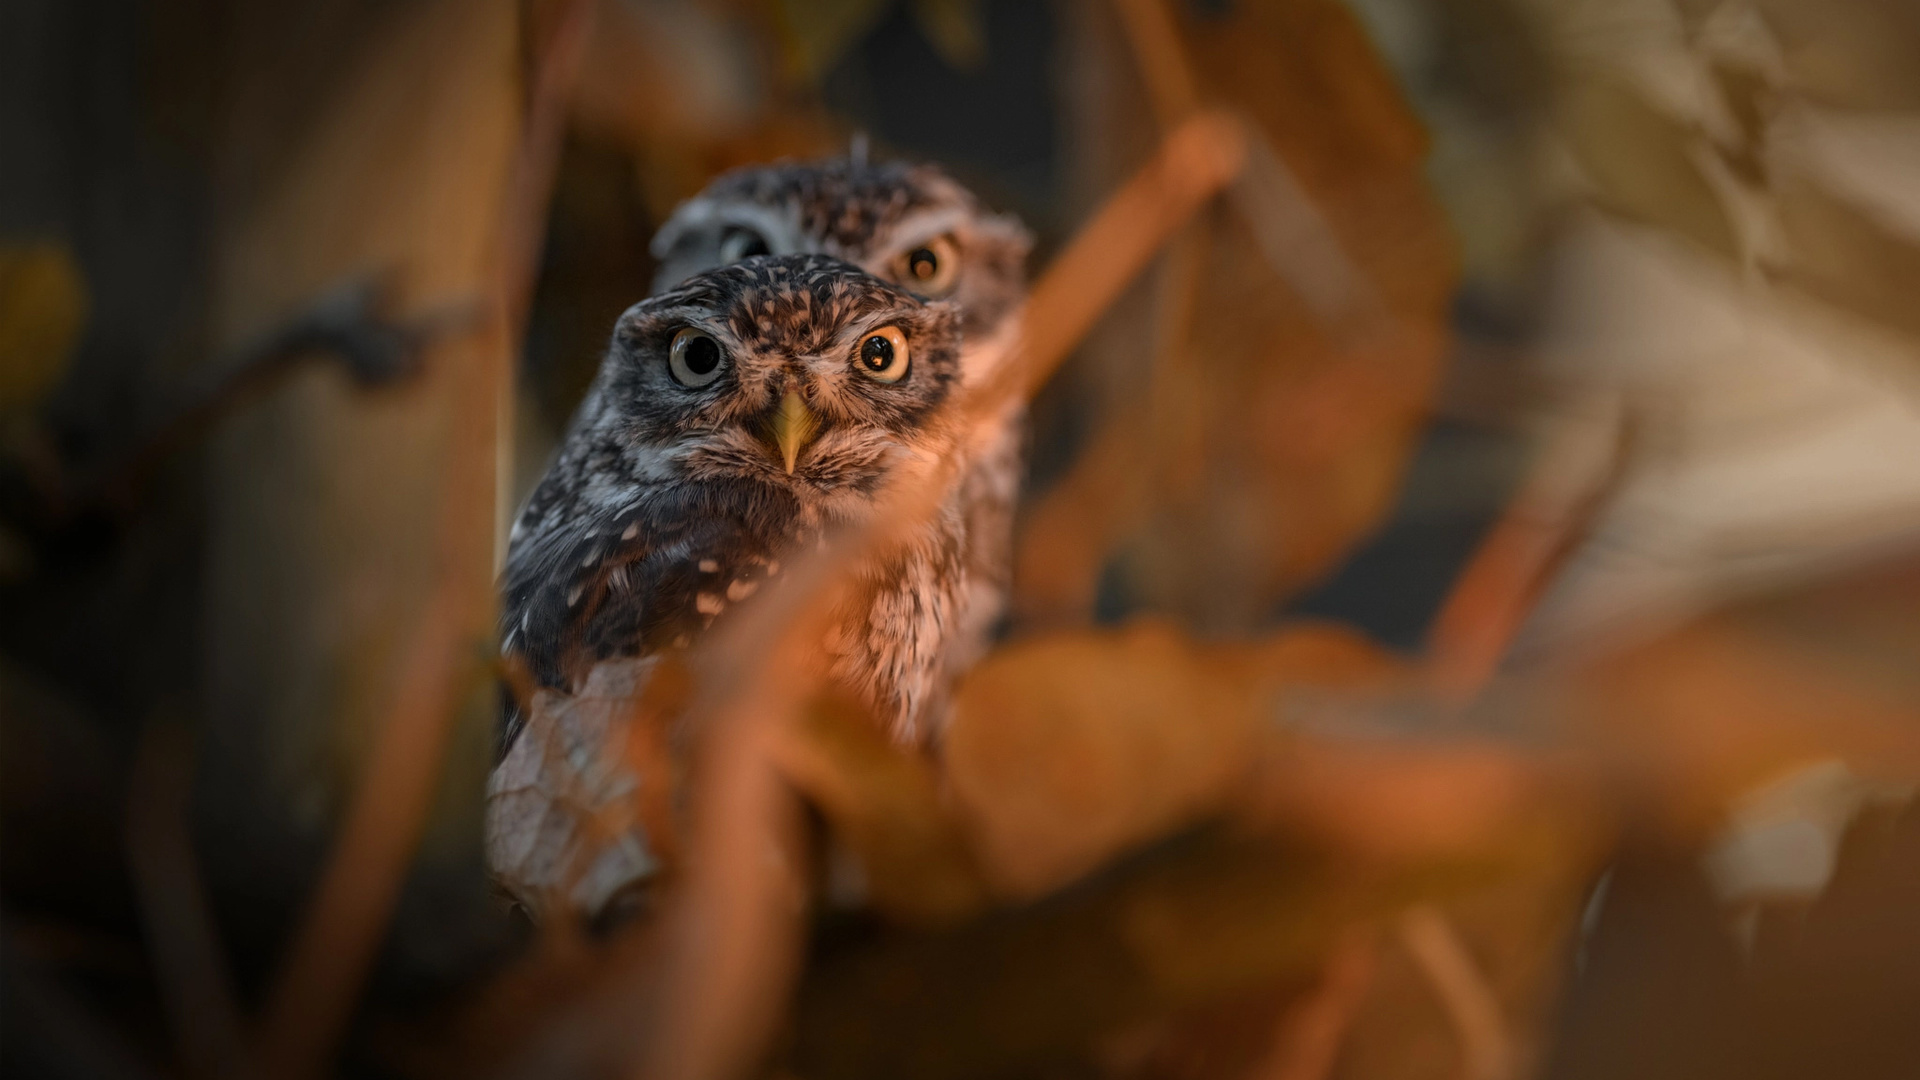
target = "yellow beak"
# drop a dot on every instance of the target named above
(793, 428)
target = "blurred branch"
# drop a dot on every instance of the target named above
(523, 227)
(730, 929)
(1193, 163)
(1304, 250)
(339, 938)
(63, 1026)
(1307, 1044)
(189, 964)
(1155, 41)
(1068, 535)
(1291, 231)
(1576, 473)
(1072, 530)
(1178, 926)
(1486, 1050)
(1199, 918)
(1148, 462)
(345, 324)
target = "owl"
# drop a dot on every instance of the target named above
(914, 226)
(910, 224)
(736, 418)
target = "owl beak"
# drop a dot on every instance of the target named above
(794, 426)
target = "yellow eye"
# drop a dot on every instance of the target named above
(932, 268)
(883, 355)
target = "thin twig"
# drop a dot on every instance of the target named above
(733, 926)
(61, 1025)
(1288, 227)
(195, 983)
(1076, 525)
(1164, 68)
(1302, 247)
(345, 325)
(1486, 1049)
(1307, 1043)
(1068, 535)
(1565, 491)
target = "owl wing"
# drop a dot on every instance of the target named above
(631, 577)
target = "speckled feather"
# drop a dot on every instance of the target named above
(874, 214)
(666, 506)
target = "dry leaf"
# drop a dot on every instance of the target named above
(1642, 161)
(580, 809)
(1708, 712)
(817, 33)
(1253, 433)
(1855, 54)
(884, 807)
(43, 308)
(1201, 920)
(1065, 750)
(955, 28)
(1842, 256)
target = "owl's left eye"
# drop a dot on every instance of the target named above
(883, 355)
(695, 358)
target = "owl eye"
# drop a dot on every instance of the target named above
(696, 358)
(741, 243)
(931, 268)
(883, 355)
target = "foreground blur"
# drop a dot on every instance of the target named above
(1464, 618)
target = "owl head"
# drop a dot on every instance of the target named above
(908, 224)
(796, 371)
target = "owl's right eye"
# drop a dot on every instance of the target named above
(695, 359)
(741, 243)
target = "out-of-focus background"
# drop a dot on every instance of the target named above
(1467, 585)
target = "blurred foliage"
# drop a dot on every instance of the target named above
(1643, 162)
(43, 309)
(1244, 444)
(1064, 750)
(1203, 843)
(1855, 54)
(819, 33)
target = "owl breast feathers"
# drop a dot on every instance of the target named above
(735, 419)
